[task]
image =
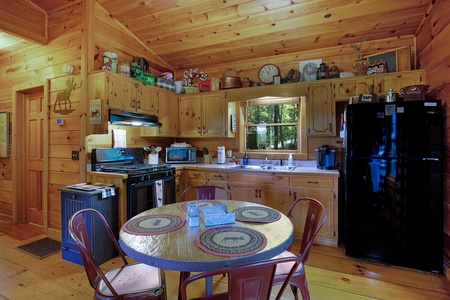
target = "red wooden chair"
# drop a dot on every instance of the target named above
(247, 281)
(315, 218)
(136, 281)
(207, 192)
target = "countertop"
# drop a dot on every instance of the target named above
(228, 167)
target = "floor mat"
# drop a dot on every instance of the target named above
(41, 248)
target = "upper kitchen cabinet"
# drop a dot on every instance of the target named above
(124, 93)
(144, 99)
(167, 116)
(118, 91)
(344, 89)
(203, 115)
(397, 81)
(319, 108)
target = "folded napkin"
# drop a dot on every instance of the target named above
(107, 191)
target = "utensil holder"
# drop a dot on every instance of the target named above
(207, 159)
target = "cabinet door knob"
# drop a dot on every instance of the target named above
(199, 130)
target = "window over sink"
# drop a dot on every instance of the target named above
(273, 124)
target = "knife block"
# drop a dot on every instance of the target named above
(207, 159)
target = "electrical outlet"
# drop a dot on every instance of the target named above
(75, 155)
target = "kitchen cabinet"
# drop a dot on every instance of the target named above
(167, 115)
(197, 177)
(179, 184)
(278, 190)
(320, 112)
(397, 81)
(323, 189)
(268, 189)
(121, 92)
(145, 99)
(344, 89)
(203, 115)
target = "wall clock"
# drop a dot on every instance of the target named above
(267, 72)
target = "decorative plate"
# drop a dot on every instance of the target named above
(154, 224)
(231, 241)
(258, 214)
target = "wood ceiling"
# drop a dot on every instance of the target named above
(202, 33)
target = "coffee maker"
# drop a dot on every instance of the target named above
(326, 158)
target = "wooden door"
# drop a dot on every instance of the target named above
(34, 157)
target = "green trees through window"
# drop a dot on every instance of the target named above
(271, 124)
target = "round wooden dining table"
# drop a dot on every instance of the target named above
(179, 249)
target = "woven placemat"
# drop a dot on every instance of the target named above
(199, 204)
(231, 241)
(258, 214)
(154, 224)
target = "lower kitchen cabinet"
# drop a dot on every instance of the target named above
(324, 190)
(197, 178)
(278, 190)
(264, 188)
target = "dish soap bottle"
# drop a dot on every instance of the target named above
(290, 161)
(245, 159)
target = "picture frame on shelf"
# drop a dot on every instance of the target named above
(276, 79)
(308, 69)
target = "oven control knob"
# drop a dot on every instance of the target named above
(147, 177)
(142, 178)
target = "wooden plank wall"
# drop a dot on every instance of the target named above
(110, 35)
(31, 67)
(342, 56)
(433, 39)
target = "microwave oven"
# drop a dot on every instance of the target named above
(181, 155)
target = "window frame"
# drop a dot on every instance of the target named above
(301, 152)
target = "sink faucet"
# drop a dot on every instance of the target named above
(266, 160)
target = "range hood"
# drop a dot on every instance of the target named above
(121, 117)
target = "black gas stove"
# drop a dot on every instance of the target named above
(136, 169)
(148, 185)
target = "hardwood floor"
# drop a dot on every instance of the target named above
(331, 275)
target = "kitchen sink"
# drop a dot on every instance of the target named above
(263, 167)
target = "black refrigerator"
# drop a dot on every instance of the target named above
(393, 175)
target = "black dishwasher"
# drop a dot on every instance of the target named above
(73, 200)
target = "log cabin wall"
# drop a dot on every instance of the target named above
(34, 68)
(342, 56)
(433, 38)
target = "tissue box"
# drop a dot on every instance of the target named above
(165, 84)
(217, 215)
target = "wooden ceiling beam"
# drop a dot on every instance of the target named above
(24, 19)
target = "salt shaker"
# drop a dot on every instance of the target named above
(192, 216)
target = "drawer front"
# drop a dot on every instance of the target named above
(196, 174)
(259, 178)
(313, 182)
(218, 176)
